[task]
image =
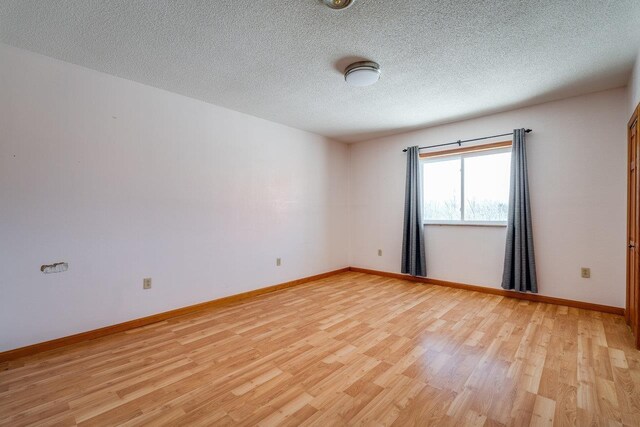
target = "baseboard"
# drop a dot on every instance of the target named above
(494, 291)
(143, 321)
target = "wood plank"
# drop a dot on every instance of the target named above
(493, 291)
(468, 149)
(136, 323)
(352, 348)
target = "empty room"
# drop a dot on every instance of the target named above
(319, 213)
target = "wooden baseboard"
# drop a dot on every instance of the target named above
(131, 324)
(494, 291)
(143, 321)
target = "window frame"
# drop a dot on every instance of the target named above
(462, 153)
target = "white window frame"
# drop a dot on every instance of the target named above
(463, 156)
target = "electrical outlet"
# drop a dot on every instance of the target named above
(146, 283)
(278, 262)
(585, 272)
(379, 252)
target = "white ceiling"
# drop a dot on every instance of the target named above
(283, 60)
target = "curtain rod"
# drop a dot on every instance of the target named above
(460, 141)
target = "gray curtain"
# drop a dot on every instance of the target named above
(519, 260)
(413, 258)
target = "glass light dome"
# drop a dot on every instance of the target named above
(363, 73)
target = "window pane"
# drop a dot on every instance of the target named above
(442, 189)
(486, 187)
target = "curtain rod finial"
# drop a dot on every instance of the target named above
(527, 130)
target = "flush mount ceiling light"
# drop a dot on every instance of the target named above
(338, 4)
(363, 73)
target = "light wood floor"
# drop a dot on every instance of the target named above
(350, 349)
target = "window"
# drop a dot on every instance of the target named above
(467, 188)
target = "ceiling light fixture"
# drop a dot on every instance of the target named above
(363, 73)
(338, 4)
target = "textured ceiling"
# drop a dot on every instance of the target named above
(283, 60)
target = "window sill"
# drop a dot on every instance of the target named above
(468, 223)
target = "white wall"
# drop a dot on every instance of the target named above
(124, 181)
(634, 86)
(577, 161)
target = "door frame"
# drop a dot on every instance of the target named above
(627, 313)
